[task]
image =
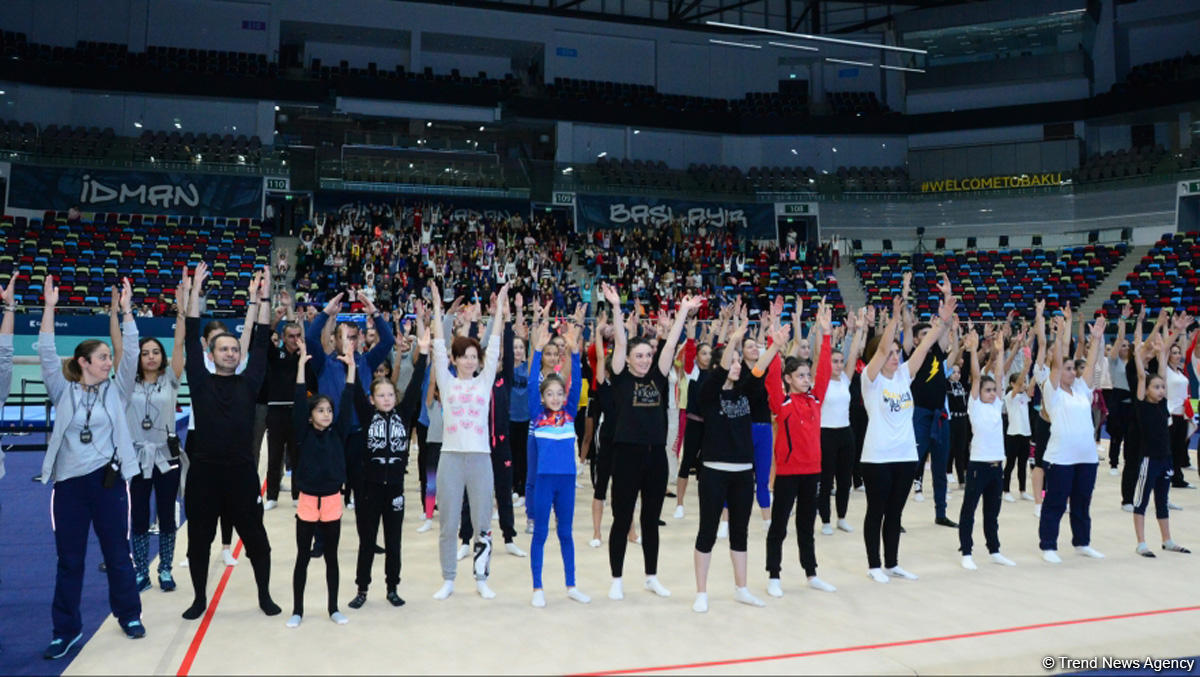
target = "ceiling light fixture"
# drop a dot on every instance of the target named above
(902, 68)
(818, 38)
(791, 46)
(729, 43)
(848, 62)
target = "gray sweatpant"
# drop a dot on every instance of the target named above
(458, 472)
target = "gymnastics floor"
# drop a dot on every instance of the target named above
(997, 620)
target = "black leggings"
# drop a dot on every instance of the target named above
(518, 439)
(693, 434)
(636, 469)
(379, 503)
(887, 485)
(1179, 449)
(1016, 453)
(800, 491)
(231, 493)
(837, 462)
(330, 533)
(858, 423)
(423, 458)
(1120, 409)
(719, 489)
(960, 445)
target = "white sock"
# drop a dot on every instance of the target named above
(539, 598)
(774, 587)
(484, 591)
(818, 584)
(294, 621)
(616, 590)
(701, 604)
(743, 596)
(657, 588)
(578, 596)
(445, 591)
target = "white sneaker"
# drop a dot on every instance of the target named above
(529, 526)
(919, 497)
(269, 505)
(877, 575)
(539, 599)
(861, 487)
(950, 479)
(339, 618)
(575, 594)
(514, 550)
(743, 596)
(678, 512)
(845, 526)
(1127, 507)
(1002, 560)
(1026, 496)
(901, 573)
(484, 591)
(227, 555)
(463, 551)
(818, 584)
(184, 562)
(700, 606)
(968, 563)
(425, 526)
(1114, 472)
(350, 505)
(1009, 497)
(445, 591)
(294, 621)
(1089, 551)
(595, 543)
(1171, 505)
(495, 514)
(723, 530)
(774, 587)
(616, 591)
(1051, 556)
(1037, 511)
(827, 529)
(520, 502)
(766, 524)
(655, 587)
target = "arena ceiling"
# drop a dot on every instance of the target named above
(808, 16)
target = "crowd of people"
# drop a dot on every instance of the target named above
(505, 395)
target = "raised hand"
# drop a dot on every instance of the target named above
(825, 318)
(971, 341)
(946, 310)
(334, 306)
(368, 305)
(199, 278)
(1039, 308)
(9, 293)
(303, 356)
(944, 286)
(50, 292)
(610, 294)
(781, 335)
(435, 297)
(1098, 327)
(1126, 311)
(126, 296)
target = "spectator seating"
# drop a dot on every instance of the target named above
(185, 147)
(1166, 277)
(1166, 71)
(91, 256)
(855, 103)
(1122, 163)
(992, 283)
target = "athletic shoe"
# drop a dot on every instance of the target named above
(1037, 511)
(1171, 505)
(968, 563)
(1009, 497)
(655, 587)
(359, 600)
(393, 598)
(877, 575)
(616, 591)
(594, 543)
(678, 512)
(230, 560)
(529, 526)
(339, 618)
(827, 529)
(1002, 560)
(917, 485)
(294, 621)
(723, 530)
(520, 502)
(901, 573)
(445, 591)
(774, 587)
(539, 599)
(1172, 546)
(514, 550)
(1127, 507)
(818, 584)
(743, 596)
(1114, 472)
(484, 591)
(1026, 496)
(845, 526)
(269, 505)
(575, 594)
(945, 522)
(919, 496)
(166, 581)
(700, 606)
(1144, 551)
(143, 583)
(425, 526)
(1051, 556)
(1089, 551)
(463, 551)
(59, 647)
(134, 629)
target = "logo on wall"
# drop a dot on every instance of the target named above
(165, 195)
(657, 215)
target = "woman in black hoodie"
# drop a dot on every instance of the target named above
(385, 460)
(319, 475)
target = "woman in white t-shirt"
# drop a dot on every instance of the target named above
(1016, 437)
(837, 437)
(1070, 460)
(1177, 391)
(985, 409)
(889, 458)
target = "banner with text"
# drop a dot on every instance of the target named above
(993, 182)
(454, 206)
(755, 221)
(135, 192)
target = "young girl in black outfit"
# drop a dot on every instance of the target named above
(385, 461)
(319, 475)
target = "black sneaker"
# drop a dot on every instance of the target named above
(316, 553)
(359, 600)
(143, 583)
(394, 598)
(59, 647)
(945, 522)
(134, 629)
(166, 581)
(379, 550)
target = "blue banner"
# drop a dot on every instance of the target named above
(135, 192)
(755, 221)
(96, 326)
(453, 206)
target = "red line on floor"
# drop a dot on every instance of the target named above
(892, 645)
(194, 648)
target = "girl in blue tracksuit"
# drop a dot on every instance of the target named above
(551, 478)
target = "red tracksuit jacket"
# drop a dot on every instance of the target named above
(798, 418)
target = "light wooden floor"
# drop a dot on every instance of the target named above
(806, 631)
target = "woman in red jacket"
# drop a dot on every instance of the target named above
(797, 410)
